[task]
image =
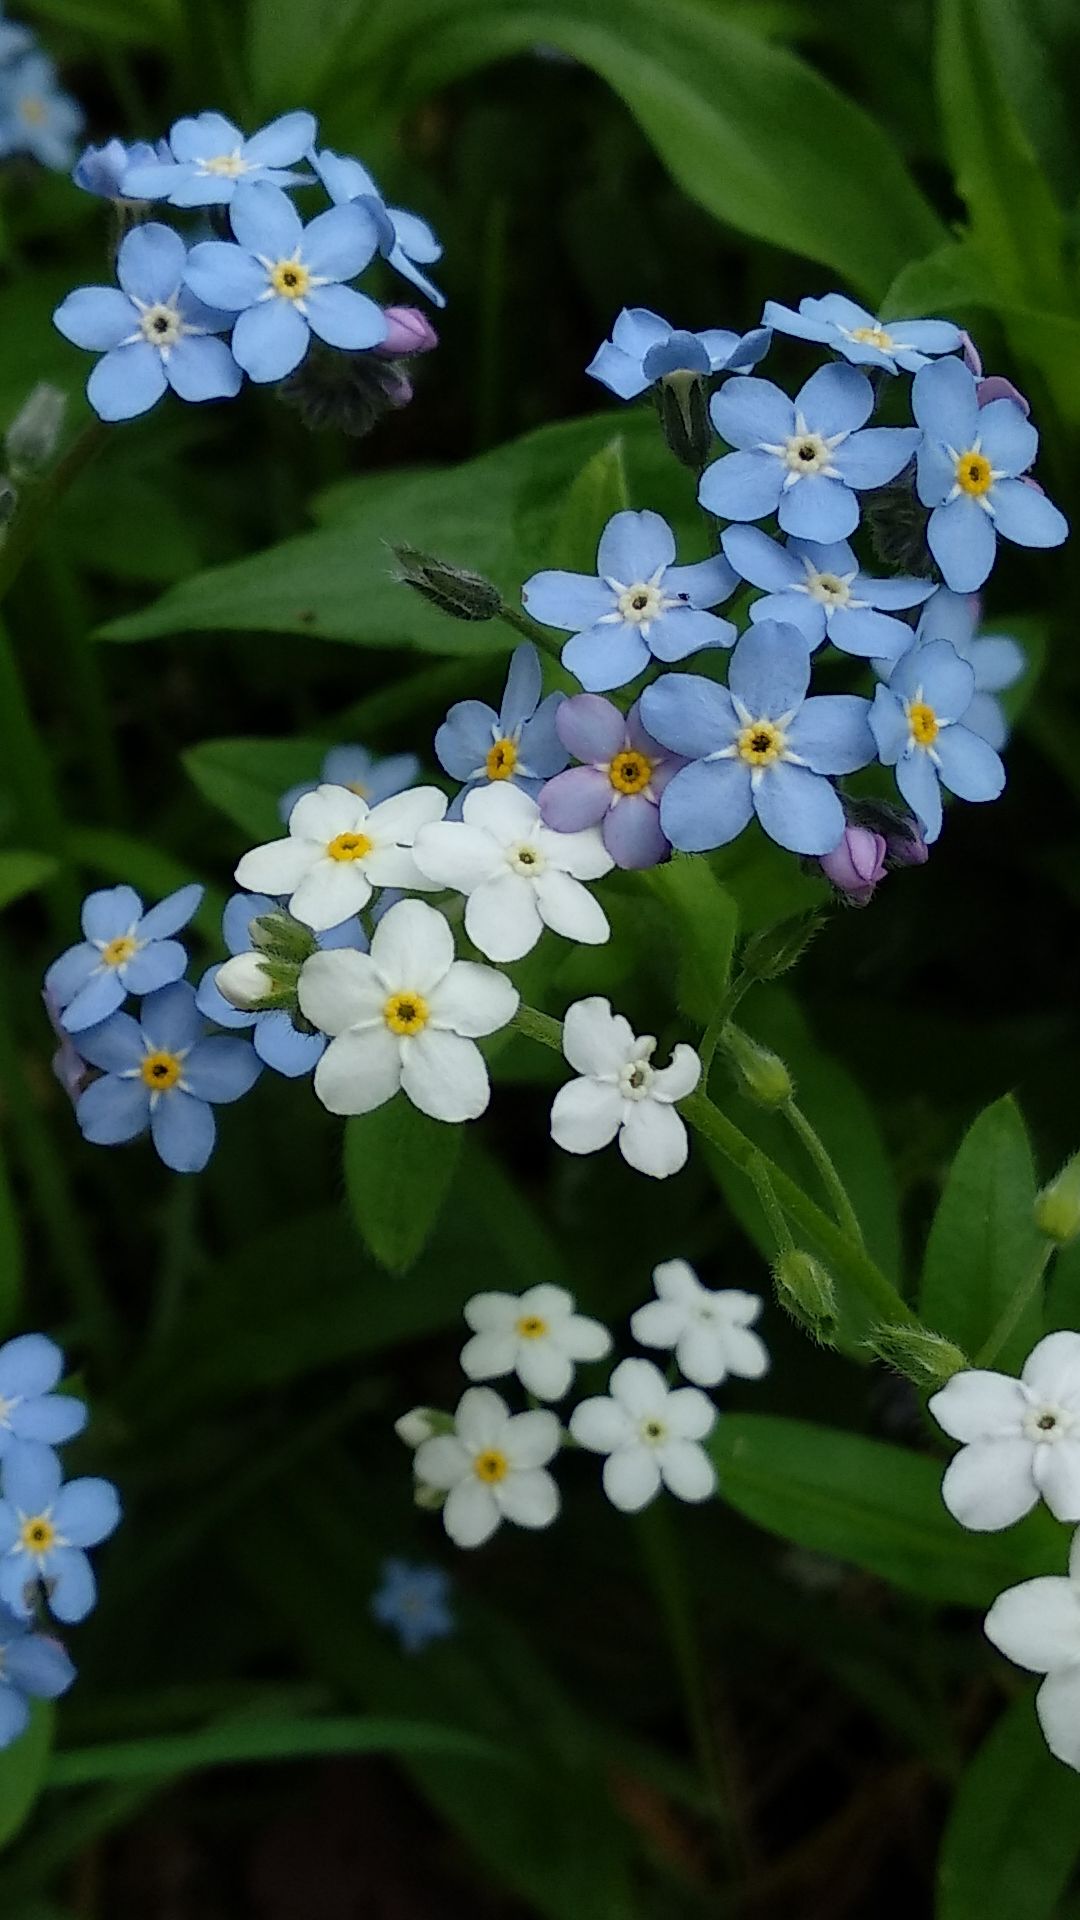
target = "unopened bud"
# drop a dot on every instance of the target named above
(805, 1290)
(34, 434)
(854, 868)
(408, 331)
(776, 950)
(454, 590)
(897, 522)
(280, 937)
(347, 392)
(996, 387)
(761, 1074)
(422, 1423)
(682, 401)
(1057, 1208)
(923, 1356)
(245, 982)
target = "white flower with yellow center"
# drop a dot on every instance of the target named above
(518, 876)
(406, 1015)
(491, 1468)
(621, 1093)
(1020, 1438)
(652, 1435)
(710, 1333)
(339, 849)
(536, 1334)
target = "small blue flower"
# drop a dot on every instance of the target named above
(821, 590)
(996, 660)
(45, 1528)
(969, 467)
(361, 772)
(101, 170)
(207, 158)
(404, 239)
(283, 280)
(414, 1600)
(280, 1044)
(643, 348)
(801, 458)
(125, 951)
(161, 1072)
(30, 1368)
(640, 607)
(154, 334)
(757, 746)
(919, 723)
(866, 341)
(519, 743)
(36, 117)
(32, 1667)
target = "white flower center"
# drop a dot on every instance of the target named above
(828, 589)
(525, 858)
(226, 166)
(162, 324)
(1046, 1424)
(7, 1408)
(873, 337)
(653, 1431)
(804, 452)
(636, 1078)
(640, 602)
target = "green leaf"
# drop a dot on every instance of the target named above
(707, 922)
(22, 873)
(292, 50)
(22, 1771)
(873, 1505)
(399, 1165)
(124, 857)
(600, 489)
(1013, 1837)
(245, 779)
(258, 1738)
(983, 1241)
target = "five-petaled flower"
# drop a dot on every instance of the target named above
(207, 158)
(519, 743)
(1020, 1438)
(619, 1091)
(404, 239)
(415, 1602)
(101, 170)
(643, 349)
(711, 1334)
(618, 785)
(638, 607)
(492, 1467)
(339, 849)
(407, 1015)
(32, 1667)
(538, 1334)
(1037, 1625)
(36, 116)
(30, 1409)
(125, 951)
(651, 1434)
(281, 1043)
(821, 589)
(362, 772)
(861, 337)
(996, 660)
(45, 1528)
(919, 723)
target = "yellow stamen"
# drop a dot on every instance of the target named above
(872, 337)
(229, 166)
(33, 110)
(501, 760)
(924, 723)
(160, 1071)
(531, 1327)
(38, 1534)
(119, 951)
(760, 743)
(406, 1013)
(491, 1466)
(290, 279)
(630, 772)
(348, 846)
(974, 474)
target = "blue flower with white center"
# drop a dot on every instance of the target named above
(207, 158)
(36, 116)
(414, 1601)
(644, 348)
(996, 660)
(125, 951)
(404, 239)
(821, 590)
(363, 773)
(919, 721)
(151, 330)
(519, 743)
(162, 1072)
(100, 170)
(30, 1369)
(289, 1049)
(45, 1529)
(284, 280)
(970, 463)
(757, 746)
(638, 607)
(802, 459)
(862, 338)
(32, 1667)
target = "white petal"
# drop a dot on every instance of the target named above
(687, 1470)
(631, 1478)
(390, 866)
(689, 1413)
(1052, 1369)
(457, 856)
(412, 947)
(990, 1484)
(492, 1312)
(473, 1000)
(976, 1405)
(531, 1439)
(676, 1280)
(503, 810)
(595, 1040)
(1037, 1624)
(584, 1339)
(585, 1116)
(326, 812)
(481, 1418)
(471, 1513)
(338, 989)
(550, 1302)
(640, 1387)
(601, 1424)
(745, 1354)
(583, 854)
(570, 909)
(680, 1078)
(359, 1071)
(544, 1369)
(1057, 1704)
(277, 867)
(441, 1462)
(332, 891)
(444, 1075)
(399, 819)
(489, 1356)
(701, 1353)
(502, 916)
(529, 1499)
(653, 1140)
(659, 1323)
(1056, 1467)
(740, 1308)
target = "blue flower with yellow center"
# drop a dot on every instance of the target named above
(125, 951)
(280, 1043)
(919, 722)
(45, 1529)
(30, 1408)
(207, 158)
(363, 773)
(996, 659)
(861, 337)
(518, 743)
(32, 1667)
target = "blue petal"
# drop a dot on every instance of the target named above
(392, 775)
(292, 794)
(102, 995)
(465, 736)
(203, 370)
(998, 662)
(637, 329)
(221, 1069)
(935, 472)
(927, 336)
(750, 413)
(689, 714)
(96, 317)
(706, 805)
(605, 657)
(918, 782)
(686, 630)
(968, 765)
(38, 1666)
(14, 1715)
(876, 456)
(128, 381)
(265, 221)
(704, 584)
(240, 910)
(633, 546)
(87, 1512)
(1007, 437)
(889, 726)
(30, 1364)
(109, 912)
(681, 352)
(764, 562)
(835, 400)
(115, 1046)
(935, 672)
(344, 318)
(817, 508)
(170, 1018)
(542, 752)
(31, 1478)
(524, 685)
(945, 403)
(793, 610)
(900, 592)
(770, 670)
(343, 178)
(617, 371)
(282, 141)
(962, 538)
(801, 325)
(572, 601)
(150, 263)
(948, 616)
(72, 1588)
(71, 971)
(155, 966)
(986, 717)
(340, 243)
(831, 733)
(224, 275)
(172, 913)
(204, 136)
(869, 635)
(281, 1047)
(113, 1110)
(213, 1005)
(270, 340)
(183, 1131)
(1025, 515)
(799, 809)
(351, 933)
(52, 1419)
(742, 486)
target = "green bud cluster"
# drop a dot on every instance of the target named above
(1057, 1208)
(804, 1289)
(921, 1355)
(759, 1073)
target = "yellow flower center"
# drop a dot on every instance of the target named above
(160, 1071)
(491, 1466)
(348, 846)
(531, 1327)
(653, 1432)
(119, 951)
(161, 325)
(406, 1013)
(760, 743)
(501, 760)
(290, 279)
(924, 723)
(872, 337)
(630, 772)
(33, 110)
(974, 474)
(38, 1534)
(228, 166)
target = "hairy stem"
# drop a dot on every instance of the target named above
(830, 1178)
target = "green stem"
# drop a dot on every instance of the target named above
(758, 1171)
(710, 1039)
(26, 528)
(29, 770)
(830, 1178)
(523, 625)
(1012, 1313)
(85, 684)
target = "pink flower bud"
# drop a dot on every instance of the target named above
(971, 355)
(408, 331)
(996, 387)
(856, 865)
(908, 849)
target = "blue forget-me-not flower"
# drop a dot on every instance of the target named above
(208, 157)
(101, 170)
(32, 1667)
(919, 721)
(45, 1528)
(996, 660)
(162, 1071)
(519, 743)
(860, 337)
(638, 607)
(404, 239)
(644, 348)
(279, 1043)
(36, 116)
(414, 1601)
(804, 459)
(362, 772)
(758, 746)
(125, 951)
(821, 589)
(30, 1409)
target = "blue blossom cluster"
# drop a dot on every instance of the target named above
(46, 1526)
(37, 117)
(273, 285)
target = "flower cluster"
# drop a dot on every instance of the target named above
(37, 118)
(484, 1464)
(270, 282)
(45, 1528)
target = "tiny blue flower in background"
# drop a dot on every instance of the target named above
(101, 170)
(519, 743)
(919, 723)
(14, 39)
(404, 239)
(278, 1043)
(643, 348)
(283, 280)
(361, 772)
(154, 334)
(36, 116)
(821, 590)
(757, 746)
(801, 458)
(162, 1072)
(125, 951)
(996, 660)
(45, 1528)
(30, 1368)
(414, 1601)
(207, 158)
(866, 341)
(641, 607)
(32, 1667)
(969, 467)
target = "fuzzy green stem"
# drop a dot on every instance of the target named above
(845, 1213)
(33, 516)
(529, 629)
(758, 1170)
(710, 1039)
(1010, 1317)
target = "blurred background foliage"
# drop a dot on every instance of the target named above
(266, 1323)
